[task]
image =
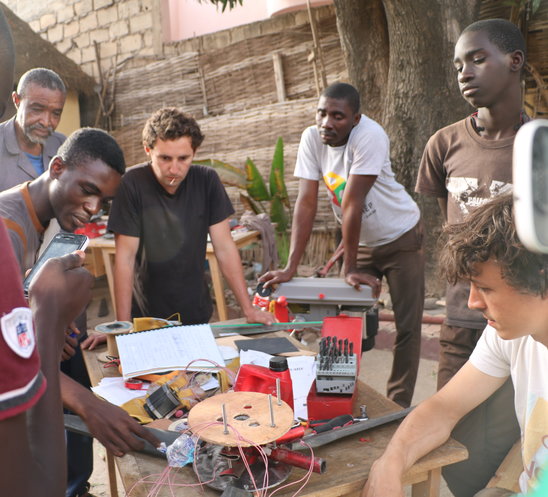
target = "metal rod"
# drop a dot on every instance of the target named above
(279, 391)
(272, 423)
(319, 439)
(225, 424)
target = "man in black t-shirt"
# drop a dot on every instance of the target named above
(161, 217)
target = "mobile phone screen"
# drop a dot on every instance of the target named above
(61, 244)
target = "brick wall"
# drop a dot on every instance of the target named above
(121, 28)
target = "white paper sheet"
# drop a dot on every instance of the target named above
(166, 349)
(114, 391)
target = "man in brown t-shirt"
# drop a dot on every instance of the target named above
(463, 166)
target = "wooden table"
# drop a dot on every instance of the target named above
(348, 460)
(107, 250)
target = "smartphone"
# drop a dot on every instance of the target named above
(61, 244)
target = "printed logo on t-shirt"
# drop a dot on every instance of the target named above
(335, 185)
(535, 442)
(18, 331)
(467, 194)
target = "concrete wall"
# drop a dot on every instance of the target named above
(121, 28)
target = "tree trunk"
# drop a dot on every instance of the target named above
(399, 54)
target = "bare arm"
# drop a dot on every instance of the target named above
(427, 427)
(57, 295)
(442, 202)
(124, 267)
(301, 228)
(355, 192)
(109, 424)
(231, 266)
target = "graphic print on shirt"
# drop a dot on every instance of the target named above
(468, 194)
(18, 331)
(335, 185)
(535, 441)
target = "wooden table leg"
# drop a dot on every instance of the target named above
(430, 487)
(218, 290)
(111, 469)
(108, 261)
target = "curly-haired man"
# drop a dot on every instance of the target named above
(162, 215)
(508, 285)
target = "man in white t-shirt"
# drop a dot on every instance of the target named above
(381, 228)
(509, 286)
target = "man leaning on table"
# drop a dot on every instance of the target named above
(161, 217)
(508, 285)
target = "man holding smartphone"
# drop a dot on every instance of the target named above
(85, 172)
(37, 464)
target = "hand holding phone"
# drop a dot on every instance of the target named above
(61, 244)
(58, 293)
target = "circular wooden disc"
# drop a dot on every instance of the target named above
(248, 418)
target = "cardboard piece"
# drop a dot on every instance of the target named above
(272, 346)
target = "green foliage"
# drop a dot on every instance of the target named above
(224, 3)
(255, 192)
(230, 175)
(255, 184)
(282, 245)
(277, 181)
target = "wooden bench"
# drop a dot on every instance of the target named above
(507, 474)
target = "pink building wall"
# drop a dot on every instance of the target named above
(189, 18)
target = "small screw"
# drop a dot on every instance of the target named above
(225, 431)
(272, 423)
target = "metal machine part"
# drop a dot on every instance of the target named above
(319, 439)
(222, 469)
(162, 403)
(319, 298)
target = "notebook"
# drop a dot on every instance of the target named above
(165, 349)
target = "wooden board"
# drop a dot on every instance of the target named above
(248, 419)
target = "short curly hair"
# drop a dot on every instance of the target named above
(171, 123)
(88, 144)
(489, 233)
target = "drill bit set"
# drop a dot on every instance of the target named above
(336, 366)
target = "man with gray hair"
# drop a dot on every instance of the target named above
(28, 140)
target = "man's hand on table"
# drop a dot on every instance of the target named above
(383, 481)
(275, 277)
(355, 279)
(93, 340)
(115, 428)
(255, 315)
(71, 342)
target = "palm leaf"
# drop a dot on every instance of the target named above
(230, 175)
(250, 204)
(276, 180)
(278, 214)
(255, 185)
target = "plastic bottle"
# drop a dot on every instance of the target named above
(261, 299)
(252, 378)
